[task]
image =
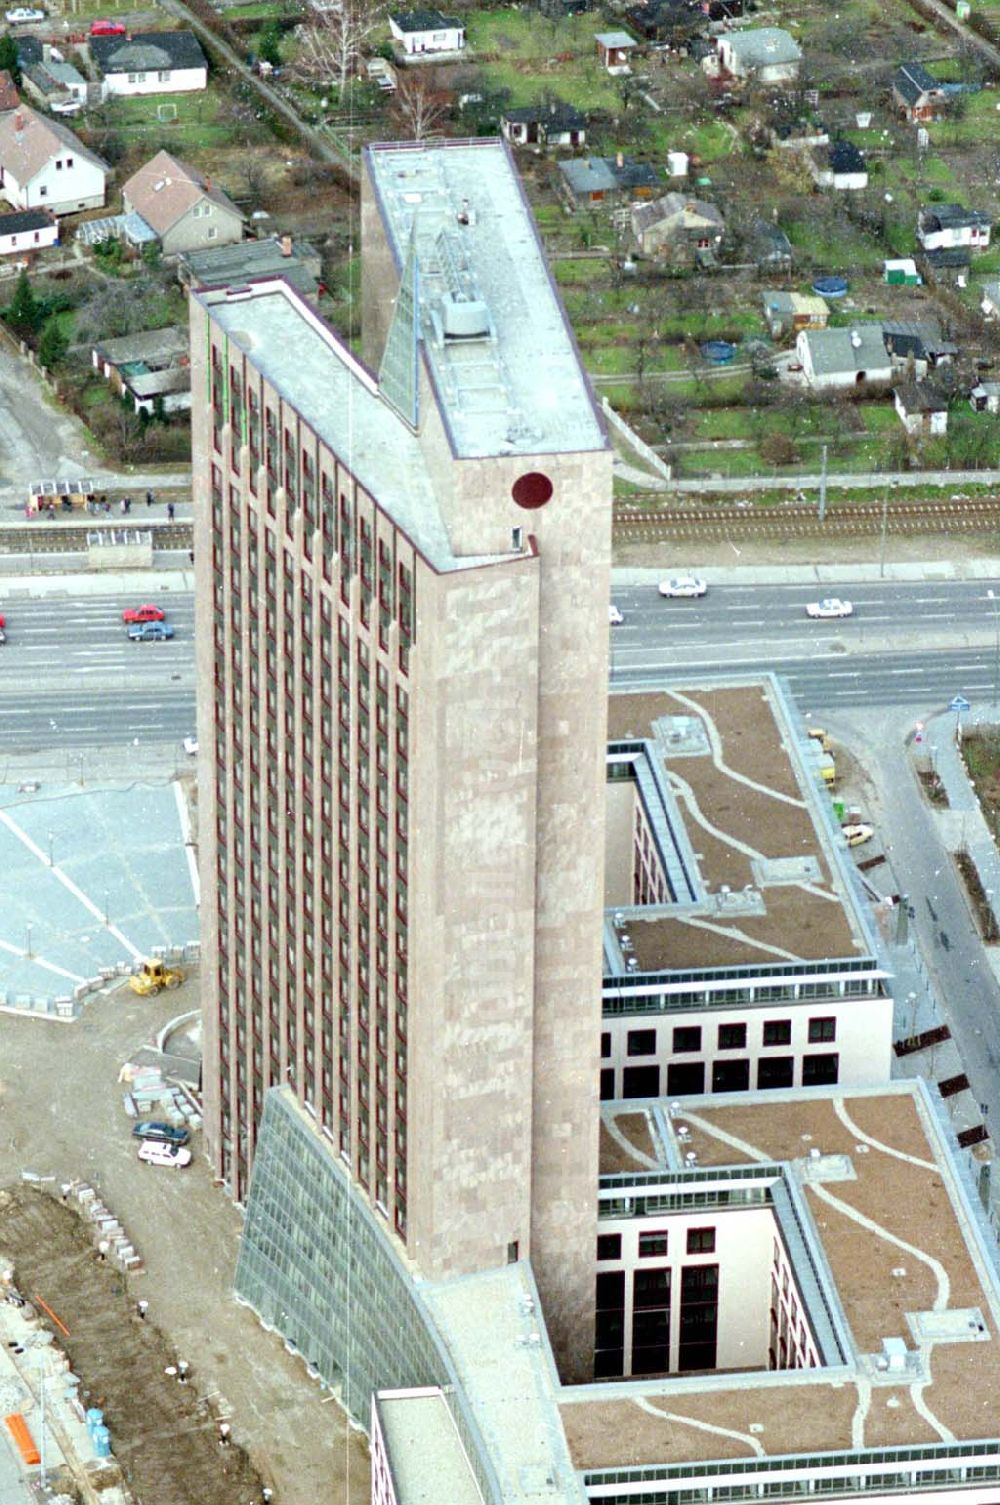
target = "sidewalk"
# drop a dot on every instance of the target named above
(962, 824)
(986, 567)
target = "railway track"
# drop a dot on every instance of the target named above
(793, 520)
(71, 537)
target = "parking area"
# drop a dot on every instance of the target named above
(93, 876)
(62, 1116)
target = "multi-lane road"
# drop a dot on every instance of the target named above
(908, 643)
(69, 677)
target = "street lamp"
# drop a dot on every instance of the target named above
(991, 596)
(885, 527)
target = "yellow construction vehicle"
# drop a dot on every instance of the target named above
(153, 976)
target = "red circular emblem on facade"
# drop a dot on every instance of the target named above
(531, 490)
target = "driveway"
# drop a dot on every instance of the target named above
(62, 1116)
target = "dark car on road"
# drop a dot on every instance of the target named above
(150, 632)
(159, 1133)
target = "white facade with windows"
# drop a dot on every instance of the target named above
(156, 81)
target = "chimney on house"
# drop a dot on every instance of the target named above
(286, 245)
(18, 123)
(208, 184)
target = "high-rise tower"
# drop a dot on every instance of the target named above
(402, 650)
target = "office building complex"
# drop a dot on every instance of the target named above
(402, 567)
(739, 952)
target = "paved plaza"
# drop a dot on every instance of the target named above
(93, 877)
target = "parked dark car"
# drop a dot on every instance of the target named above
(159, 1133)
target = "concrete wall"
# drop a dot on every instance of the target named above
(473, 770)
(619, 840)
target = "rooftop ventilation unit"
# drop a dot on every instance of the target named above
(464, 318)
(674, 1109)
(619, 919)
(691, 1158)
(632, 964)
(683, 1132)
(815, 1153)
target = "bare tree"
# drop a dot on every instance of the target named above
(332, 42)
(418, 107)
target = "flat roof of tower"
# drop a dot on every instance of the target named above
(908, 1257)
(314, 371)
(508, 376)
(736, 804)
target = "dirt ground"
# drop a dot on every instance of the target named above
(164, 1434)
(61, 1115)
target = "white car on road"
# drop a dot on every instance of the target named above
(830, 606)
(615, 615)
(683, 586)
(164, 1154)
(23, 13)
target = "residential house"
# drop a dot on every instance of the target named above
(787, 313)
(942, 226)
(985, 397)
(589, 180)
(949, 264)
(922, 409)
(417, 32)
(150, 62)
(231, 266)
(58, 86)
(44, 166)
(24, 233)
(182, 206)
(152, 367)
(839, 165)
(615, 49)
(666, 23)
(990, 300)
(764, 53)
(917, 346)
(840, 358)
(29, 50)
(769, 245)
(678, 227)
(547, 124)
(917, 93)
(9, 97)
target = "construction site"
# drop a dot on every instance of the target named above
(79, 1341)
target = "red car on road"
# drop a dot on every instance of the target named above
(108, 29)
(148, 613)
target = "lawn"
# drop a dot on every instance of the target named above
(527, 34)
(203, 119)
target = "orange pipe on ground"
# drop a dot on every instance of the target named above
(21, 1435)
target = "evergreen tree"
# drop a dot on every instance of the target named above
(8, 56)
(23, 312)
(269, 45)
(53, 344)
